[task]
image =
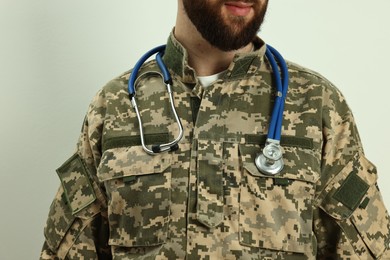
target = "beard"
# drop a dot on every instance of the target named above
(225, 33)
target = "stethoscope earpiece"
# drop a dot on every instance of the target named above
(155, 148)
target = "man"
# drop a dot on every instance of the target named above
(207, 199)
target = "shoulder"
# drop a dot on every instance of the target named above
(119, 84)
(114, 94)
(307, 79)
(298, 72)
(308, 84)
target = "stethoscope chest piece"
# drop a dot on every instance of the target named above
(270, 161)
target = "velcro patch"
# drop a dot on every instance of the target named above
(351, 191)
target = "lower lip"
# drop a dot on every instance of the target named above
(238, 11)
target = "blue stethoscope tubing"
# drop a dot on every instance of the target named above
(281, 82)
(164, 70)
(270, 161)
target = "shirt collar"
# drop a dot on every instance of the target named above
(176, 59)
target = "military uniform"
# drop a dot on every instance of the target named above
(207, 200)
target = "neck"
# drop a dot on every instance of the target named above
(204, 58)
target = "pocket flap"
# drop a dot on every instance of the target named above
(299, 163)
(77, 188)
(131, 161)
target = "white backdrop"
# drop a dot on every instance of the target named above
(55, 55)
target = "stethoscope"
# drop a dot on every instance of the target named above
(270, 160)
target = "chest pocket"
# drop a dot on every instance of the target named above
(138, 188)
(276, 211)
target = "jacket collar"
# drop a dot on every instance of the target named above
(176, 59)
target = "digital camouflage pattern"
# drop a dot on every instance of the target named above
(207, 200)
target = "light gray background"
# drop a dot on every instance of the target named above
(55, 55)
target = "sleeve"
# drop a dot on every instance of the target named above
(77, 226)
(351, 221)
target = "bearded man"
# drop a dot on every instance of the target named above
(206, 199)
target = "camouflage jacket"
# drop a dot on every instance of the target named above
(207, 200)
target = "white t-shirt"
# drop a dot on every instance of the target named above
(206, 81)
